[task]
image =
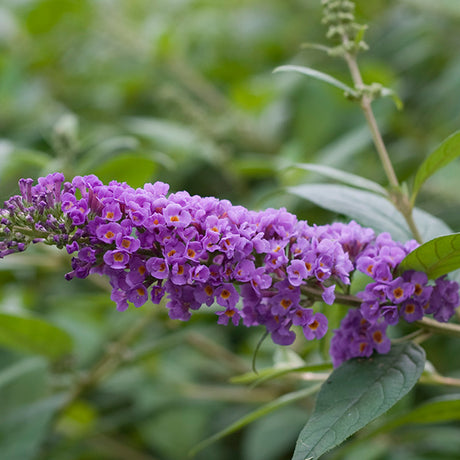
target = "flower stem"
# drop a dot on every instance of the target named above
(450, 329)
(399, 199)
(370, 118)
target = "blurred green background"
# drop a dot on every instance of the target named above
(182, 91)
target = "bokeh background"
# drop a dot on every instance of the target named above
(183, 91)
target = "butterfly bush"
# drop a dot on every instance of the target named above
(264, 268)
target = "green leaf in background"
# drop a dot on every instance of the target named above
(318, 76)
(443, 155)
(442, 409)
(105, 151)
(134, 168)
(345, 177)
(276, 404)
(355, 394)
(365, 207)
(26, 407)
(33, 335)
(15, 378)
(450, 8)
(370, 210)
(429, 226)
(436, 257)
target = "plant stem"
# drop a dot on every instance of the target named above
(371, 121)
(343, 299)
(450, 329)
(426, 324)
(400, 200)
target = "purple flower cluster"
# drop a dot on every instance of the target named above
(388, 299)
(260, 268)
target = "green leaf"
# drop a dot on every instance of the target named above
(429, 226)
(355, 394)
(436, 257)
(22, 431)
(442, 409)
(262, 440)
(318, 76)
(282, 401)
(443, 155)
(15, 388)
(345, 177)
(133, 168)
(449, 8)
(365, 207)
(33, 335)
(25, 406)
(106, 151)
(370, 210)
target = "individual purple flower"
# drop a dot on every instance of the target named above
(112, 212)
(411, 310)
(137, 271)
(176, 216)
(316, 327)
(72, 247)
(244, 270)
(178, 310)
(297, 272)
(120, 298)
(444, 299)
(138, 295)
(205, 294)
(108, 232)
(328, 294)
(179, 273)
(127, 243)
(229, 314)
(227, 295)
(157, 267)
(79, 212)
(398, 290)
(116, 259)
(282, 334)
(379, 340)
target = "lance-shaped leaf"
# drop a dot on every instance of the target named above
(443, 155)
(33, 335)
(276, 404)
(365, 207)
(345, 177)
(370, 209)
(436, 257)
(355, 394)
(437, 410)
(318, 76)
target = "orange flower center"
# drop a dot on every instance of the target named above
(377, 336)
